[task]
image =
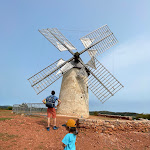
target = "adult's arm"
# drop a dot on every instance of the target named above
(44, 101)
(59, 102)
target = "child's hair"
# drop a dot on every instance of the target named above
(73, 130)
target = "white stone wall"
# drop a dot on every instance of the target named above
(73, 95)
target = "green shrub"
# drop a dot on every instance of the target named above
(5, 107)
(144, 116)
(95, 113)
(9, 107)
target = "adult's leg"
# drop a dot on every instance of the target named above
(55, 128)
(54, 121)
(48, 116)
(54, 118)
(49, 122)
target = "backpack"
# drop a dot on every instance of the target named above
(50, 102)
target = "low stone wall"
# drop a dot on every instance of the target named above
(110, 126)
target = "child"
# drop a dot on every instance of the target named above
(70, 138)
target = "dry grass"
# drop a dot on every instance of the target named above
(6, 136)
(2, 119)
(102, 118)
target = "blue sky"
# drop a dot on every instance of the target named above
(24, 51)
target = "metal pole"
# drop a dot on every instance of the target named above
(30, 109)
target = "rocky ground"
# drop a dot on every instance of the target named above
(19, 132)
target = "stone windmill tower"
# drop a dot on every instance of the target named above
(78, 77)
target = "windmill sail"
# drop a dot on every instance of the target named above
(91, 63)
(92, 53)
(100, 40)
(57, 39)
(105, 84)
(65, 68)
(45, 77)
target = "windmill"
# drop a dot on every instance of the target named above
(78, 77)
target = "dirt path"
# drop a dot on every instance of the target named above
(29, 133)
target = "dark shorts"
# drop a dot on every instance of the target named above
(51, 111)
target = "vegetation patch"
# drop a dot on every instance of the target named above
(2, 119)
(113, 113)
(34, 116)
(6, 113)
(144, 116)
(5, 107)
(40, 147)
(6, 136)
(131, 114)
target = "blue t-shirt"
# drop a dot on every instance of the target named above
(69, 140)
(54, 98)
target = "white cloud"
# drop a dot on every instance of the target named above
(134, 52)
(129, 63)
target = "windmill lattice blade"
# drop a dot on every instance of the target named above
(109, 84)
(57, 39)
(40, 82)
(101, 39)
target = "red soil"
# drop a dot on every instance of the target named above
(29, 133)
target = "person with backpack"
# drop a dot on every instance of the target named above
(70, 139)
(50, 102)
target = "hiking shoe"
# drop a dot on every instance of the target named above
(64, 125)
(48, 128)
(55, 128)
